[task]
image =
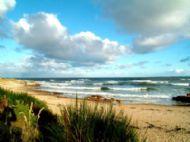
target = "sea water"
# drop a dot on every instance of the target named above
(153, 90)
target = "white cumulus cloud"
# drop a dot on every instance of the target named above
(5, 6)
(44, 33)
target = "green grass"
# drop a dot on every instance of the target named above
(27, 122)
(78, 123)
(96, 124)
(14, 98)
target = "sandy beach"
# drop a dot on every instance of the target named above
(158, 123)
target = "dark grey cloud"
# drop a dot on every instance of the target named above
(147, 16)
(43, 33)
(155, 23)
(150, 44)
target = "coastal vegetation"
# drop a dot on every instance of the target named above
(28, 119)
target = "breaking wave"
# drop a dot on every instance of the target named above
(181, 84)
(67, 86)
(107, 94)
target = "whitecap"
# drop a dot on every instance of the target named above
(150, 81)
(107, 94)
(111, 82)
(181, 84)
(130, 89)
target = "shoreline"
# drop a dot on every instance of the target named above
(29, 86)
(129, 91)
(154, 121)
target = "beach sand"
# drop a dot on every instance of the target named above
(157, 123)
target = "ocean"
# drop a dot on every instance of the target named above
(147, 90)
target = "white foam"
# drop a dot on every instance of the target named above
(107, 94)
(111, 82)
(151, 81)
(130, 89)
(148, 96)
(67, 87)
(185, 79)
(80, 88)
(79, 81)
(77, 92)
(53, 84)
(98, 84)
(181, 84)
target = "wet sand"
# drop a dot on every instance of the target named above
(158, 123)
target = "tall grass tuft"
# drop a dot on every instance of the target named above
(30, 130)
(84, 123)
(26, 126)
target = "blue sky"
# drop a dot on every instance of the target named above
(93, 38)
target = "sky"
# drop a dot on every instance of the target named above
(94, 38)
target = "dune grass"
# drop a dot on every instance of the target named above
(84, 123)
(78, 123)
(14, 98)
(25, 128)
